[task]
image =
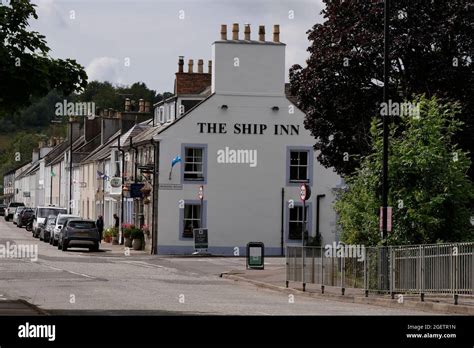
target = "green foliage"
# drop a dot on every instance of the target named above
(26, 69)
(340, 88)
(137, 233)
(430, 191)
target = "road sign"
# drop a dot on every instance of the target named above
(200, 238)
(389, 219)
(201, 193)
(305, 192)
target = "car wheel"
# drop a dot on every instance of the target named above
(55, 242)
(51, 241)
(63, 246)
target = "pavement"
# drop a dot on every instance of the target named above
(113, 282)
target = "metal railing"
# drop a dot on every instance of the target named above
(441, 269)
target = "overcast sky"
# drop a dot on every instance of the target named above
(104, 35)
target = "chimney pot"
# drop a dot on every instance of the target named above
(141, 105)
(223, 32)
(181, 64)
(127, 104)
(190, 66)
(261, 33)
(247, 32)
(235, 31)
(147, 106)
(200, 66)
(276, 33)
(209, 67)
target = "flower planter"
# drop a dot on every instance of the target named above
(107, 239)
(115, 241)
(137, 244)
(127, 242)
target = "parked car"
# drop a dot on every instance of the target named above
(79, 233)
(24, 217)
(16, 213)
(3, 207)
(11, 209)
(45, 232)
(41, 214)
(60, 222)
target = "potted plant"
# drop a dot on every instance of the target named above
(107, 235)
(137, 238)
(127, 231)
(114, 232)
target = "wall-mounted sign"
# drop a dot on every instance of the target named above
(116, 182)
(135, 190)
(248, 128)
(171, 187)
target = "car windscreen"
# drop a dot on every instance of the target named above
(19, 209)
(13, 205)
(45, 212)
(82, 224)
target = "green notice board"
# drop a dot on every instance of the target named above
(255, 255)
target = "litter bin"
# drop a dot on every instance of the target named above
(255, 255)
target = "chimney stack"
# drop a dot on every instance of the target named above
(247, 32)
(127, 104)
(223, 32)
(261, 33)
(209, 67)
(276, 33)
(141, 105)
(190, 66)
(235, 31)
(181, 64)
(200, 66)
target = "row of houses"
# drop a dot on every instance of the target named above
(228, 152)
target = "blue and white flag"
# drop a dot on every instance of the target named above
(175, 160)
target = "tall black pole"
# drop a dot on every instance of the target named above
(386, 68)
(70, 168)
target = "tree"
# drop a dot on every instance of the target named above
(26, 69)
(340, 89)
(430, 193)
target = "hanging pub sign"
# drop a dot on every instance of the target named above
(135, 190)
(116, 182)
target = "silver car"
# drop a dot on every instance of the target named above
(16, 213)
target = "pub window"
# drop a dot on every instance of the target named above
(296, 224)
(194, 164)
(192, 219)
(299, 166)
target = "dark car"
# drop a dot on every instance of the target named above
(45, 233)
(3, 207)
(11, 209)
(25, 216)
(79, 233)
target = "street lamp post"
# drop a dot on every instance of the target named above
(386, 69)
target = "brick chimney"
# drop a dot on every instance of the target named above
(190, 82)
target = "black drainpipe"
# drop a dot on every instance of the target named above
(156, 185)
(121, 196)
(135, 172)
(282, 241)
(318, 197)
